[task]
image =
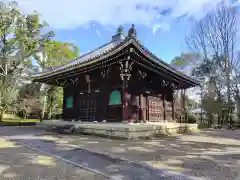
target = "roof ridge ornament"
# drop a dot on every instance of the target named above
(132, 32)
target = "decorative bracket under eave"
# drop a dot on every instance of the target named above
(126, 68)
(142, 74)
(105, 72)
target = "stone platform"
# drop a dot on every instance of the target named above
(120, 130)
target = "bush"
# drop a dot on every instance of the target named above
(203, 125)
(236, 125)
(191, 118)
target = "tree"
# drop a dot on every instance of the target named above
(27, 90)
(234, 83)
(29, 100)
(30, 105)
(178, 105)
(214, 38)
(55, 53)
(181, 100)
(55, 101)
(21, 37)
(179, 61)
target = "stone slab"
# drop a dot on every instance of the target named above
(120, 130)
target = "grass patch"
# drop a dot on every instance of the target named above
(19, 122)
(10, 116)
(195, 130)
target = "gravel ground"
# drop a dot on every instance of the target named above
(210, 155)
(21, 163)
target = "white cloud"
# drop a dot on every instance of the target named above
(98, 33)
(69, 14)
(159, 26)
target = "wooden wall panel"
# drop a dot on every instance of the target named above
(143, 108)
(169, 110)
(70, 113)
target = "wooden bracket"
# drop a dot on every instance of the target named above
(105, 72)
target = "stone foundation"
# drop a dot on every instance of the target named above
(126, 131)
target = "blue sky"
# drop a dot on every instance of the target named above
(161, 24)
(165, 44)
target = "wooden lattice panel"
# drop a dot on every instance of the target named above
(87, 108)
(155, 109)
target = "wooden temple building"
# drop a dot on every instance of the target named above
(119, 81)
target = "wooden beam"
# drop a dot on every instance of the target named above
(173, 109)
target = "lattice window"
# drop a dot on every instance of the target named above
(87, 109)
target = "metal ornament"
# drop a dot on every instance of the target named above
(74, 81)
(87, 78)
(132, 32)
(173, 85)
(142, 74)
(126, 68)
(105, 72)
(65, 83)
(165, 83)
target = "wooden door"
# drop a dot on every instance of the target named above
(155, 109)
(87, 107)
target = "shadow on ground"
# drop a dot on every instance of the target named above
(18, 162)
(212, 154)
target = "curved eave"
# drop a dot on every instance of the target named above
(149, 55)
(92, 60)
(110, 52)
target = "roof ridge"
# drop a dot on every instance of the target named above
(85, 54)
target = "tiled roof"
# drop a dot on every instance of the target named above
(109, 47)
(167, 66)
(85, 57)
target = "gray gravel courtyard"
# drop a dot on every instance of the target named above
(211, 154)
(21, 163)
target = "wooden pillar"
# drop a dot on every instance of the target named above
(125, 74)
(164, 106)
(125, 99)
(64, 103)
(147, 108)
(183, 94)
(142, 108)
(173, 107)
